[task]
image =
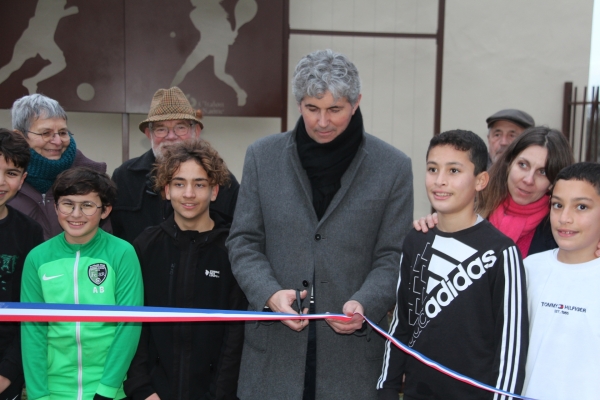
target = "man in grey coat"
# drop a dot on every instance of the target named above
(322, 211)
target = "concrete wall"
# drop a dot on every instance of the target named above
(509, 54)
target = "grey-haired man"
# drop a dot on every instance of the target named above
(170, 120)
(322, 213)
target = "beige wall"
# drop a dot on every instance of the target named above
(513, 54)
(509, 54)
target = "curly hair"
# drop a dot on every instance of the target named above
(198, 150)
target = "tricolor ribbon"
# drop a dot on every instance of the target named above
(45, 312)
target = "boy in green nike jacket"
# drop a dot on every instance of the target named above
(82, 265)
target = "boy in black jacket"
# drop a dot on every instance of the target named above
(18, 235)
(185, 264)
(461, 297)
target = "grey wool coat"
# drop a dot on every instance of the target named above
(353, 252)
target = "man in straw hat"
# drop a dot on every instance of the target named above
(171, 119)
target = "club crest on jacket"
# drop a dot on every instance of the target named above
(97, 273)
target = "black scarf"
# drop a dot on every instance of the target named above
(326, 163)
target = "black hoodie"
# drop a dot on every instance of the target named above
(196, 360)
(18, 235)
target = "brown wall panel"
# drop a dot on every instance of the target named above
(163, 36)
(112, 55)
(87, 43)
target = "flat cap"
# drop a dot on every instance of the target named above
(519, 117)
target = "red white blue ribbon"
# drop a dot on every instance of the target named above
(45, 312)
(439, 367)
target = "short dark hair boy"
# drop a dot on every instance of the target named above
(461, 294)
(464, 141)
(562, 287)
(582, 171)
(82, 265)
(18, 235)
(84, 180)
(185, 264)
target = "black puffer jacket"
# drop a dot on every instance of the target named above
(198, 360)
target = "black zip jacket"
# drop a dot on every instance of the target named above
(197, 360)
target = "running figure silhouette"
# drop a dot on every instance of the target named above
(216, 35)
(38, 38)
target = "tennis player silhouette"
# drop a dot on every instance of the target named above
(216, 35)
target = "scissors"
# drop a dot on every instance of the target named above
(299, 302)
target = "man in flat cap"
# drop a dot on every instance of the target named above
(171, 119)
(504, 127)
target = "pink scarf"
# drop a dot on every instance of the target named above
(519, 222)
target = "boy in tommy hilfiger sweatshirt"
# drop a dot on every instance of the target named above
(461, 297)
(562, 289)
(82, 265)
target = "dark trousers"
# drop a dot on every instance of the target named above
(310, 374)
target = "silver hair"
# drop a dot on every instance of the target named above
(326, 71)
(29, 108)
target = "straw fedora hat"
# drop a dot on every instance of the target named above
(169, 104)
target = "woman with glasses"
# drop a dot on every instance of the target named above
(43, 123)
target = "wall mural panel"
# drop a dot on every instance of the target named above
(112, 55)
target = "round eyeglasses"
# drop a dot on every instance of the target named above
(179, 129)
(88, 208)
(64, 135)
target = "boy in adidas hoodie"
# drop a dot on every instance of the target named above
(461, 297)
(185, 264)
(82, 265)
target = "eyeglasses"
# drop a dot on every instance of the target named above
(89, 208)
(178, 129)
(64, 135)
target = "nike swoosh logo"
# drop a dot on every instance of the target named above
(47, 278)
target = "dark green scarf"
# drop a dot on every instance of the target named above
(42, 172)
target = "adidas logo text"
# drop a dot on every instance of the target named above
(460, 281)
